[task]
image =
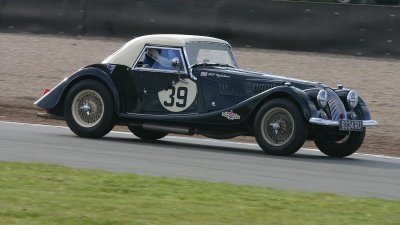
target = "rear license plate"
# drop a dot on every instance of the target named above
(351, 125)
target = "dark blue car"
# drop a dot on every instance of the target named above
(160, 84)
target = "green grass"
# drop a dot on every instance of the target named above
(48, 194)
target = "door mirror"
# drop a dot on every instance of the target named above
(176, 63)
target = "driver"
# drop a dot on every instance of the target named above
(161, 58)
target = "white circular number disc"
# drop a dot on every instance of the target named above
(178, 97)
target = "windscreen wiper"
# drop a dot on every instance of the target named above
(211, 64)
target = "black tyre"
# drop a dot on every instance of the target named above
(280, 128)
(340, 146)
(344, 1)
(147, 134)
(89, 109)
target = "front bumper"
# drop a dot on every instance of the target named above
(334, 123)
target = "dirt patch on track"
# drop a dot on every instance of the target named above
(30, 63)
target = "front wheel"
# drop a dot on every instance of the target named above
(340, 146)
(147, 134)
(280, 128)
(89, 109)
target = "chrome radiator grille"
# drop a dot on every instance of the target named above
(338, 111)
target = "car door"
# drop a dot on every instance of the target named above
(160, 77)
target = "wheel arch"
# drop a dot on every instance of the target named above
(295, 95)
(54, 101)
(361, 109)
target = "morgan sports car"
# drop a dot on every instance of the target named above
(184, 84)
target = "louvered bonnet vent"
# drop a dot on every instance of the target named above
(260, 87)
(231, 88)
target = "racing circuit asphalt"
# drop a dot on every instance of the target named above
(204, 159)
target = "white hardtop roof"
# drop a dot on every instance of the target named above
(128, 53)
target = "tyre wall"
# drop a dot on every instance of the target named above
(364, 30)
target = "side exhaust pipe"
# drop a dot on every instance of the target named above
(165, 128)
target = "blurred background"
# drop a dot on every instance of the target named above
(353, 27)
(350, 42)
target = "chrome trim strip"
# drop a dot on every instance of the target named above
(187, 63)
(140, 55)
(160, 47)
(335, 123)
(370, 123)
(234, 57)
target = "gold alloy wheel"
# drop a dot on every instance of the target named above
(87, 108)
(277, 126)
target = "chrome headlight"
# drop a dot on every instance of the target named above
(352, 99)
(322, 98)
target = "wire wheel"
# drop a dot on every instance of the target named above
(277, 126)
(87, 108)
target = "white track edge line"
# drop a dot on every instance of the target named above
(198, 139)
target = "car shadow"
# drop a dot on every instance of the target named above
(300, 156)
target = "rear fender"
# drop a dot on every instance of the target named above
(55, 98)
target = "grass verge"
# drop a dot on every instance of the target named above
(49, 194)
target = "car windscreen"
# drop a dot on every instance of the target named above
(209, 52)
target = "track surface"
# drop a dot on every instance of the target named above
(205, 159)
(34, 62)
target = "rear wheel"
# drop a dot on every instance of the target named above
(147, 134)
(340, 146)
(89, 110)
(280, 128)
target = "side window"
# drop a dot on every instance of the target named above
(161, 58)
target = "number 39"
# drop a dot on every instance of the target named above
(180, 94)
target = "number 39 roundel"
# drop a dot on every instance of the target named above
(179, 97)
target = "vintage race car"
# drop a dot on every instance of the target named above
(161, 84)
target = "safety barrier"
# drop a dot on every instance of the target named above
(364, 30)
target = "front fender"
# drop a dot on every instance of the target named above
(56, 96)
(248, 108)
(361, 109)
(297, 95)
